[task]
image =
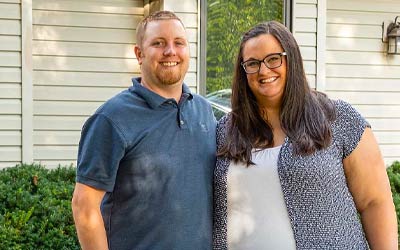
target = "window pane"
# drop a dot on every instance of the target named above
(226, 22)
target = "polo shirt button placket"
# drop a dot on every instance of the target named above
(181, 119)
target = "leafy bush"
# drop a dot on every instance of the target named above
(35, 208)
(394, 177)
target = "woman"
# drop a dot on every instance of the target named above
(295, 168)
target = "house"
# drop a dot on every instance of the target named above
(60, 60)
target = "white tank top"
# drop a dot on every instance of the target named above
(257, 213)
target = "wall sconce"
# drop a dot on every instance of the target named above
(391, 35)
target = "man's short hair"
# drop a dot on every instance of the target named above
(156, 16)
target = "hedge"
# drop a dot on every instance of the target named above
(35, 207)
(394, 178)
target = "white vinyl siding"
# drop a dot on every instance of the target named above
(305, 32)
(79, 53)
(10, 83)
(82, 55)
(188, 13)
(76, 55)
(359, 71)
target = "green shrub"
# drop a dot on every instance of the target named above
(35, 208)
(394, 177)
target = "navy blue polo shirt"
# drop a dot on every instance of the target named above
(155, 158)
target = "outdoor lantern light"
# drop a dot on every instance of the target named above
(392, 36)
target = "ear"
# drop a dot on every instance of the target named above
(139, 54)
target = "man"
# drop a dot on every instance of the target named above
(146, 157)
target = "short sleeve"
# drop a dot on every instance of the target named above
(350, 126)
(101, 148)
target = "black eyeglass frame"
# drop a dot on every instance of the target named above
(263, 61)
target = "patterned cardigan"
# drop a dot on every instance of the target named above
(320, 207)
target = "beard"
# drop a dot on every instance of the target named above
(170, 77)
(163, 75)
(173, 75)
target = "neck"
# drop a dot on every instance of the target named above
(271, 104)
(272, 116)
(167, 91)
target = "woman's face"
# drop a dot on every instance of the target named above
(267, 85)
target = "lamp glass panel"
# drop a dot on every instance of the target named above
(391, 45)
(394, 47)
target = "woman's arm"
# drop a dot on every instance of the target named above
(368, 183)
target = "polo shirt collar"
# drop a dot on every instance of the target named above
(155, 100)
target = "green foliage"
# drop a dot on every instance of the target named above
(394, 178)
(35, 208)
(227, 20)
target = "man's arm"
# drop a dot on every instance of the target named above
(369, 185)
(87, 216)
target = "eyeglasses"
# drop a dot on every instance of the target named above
(271, 61)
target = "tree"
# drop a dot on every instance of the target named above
(226, 22)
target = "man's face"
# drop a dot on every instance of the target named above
(164, 53)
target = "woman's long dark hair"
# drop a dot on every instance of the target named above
(305, 115)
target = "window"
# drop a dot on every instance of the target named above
(224, 21)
